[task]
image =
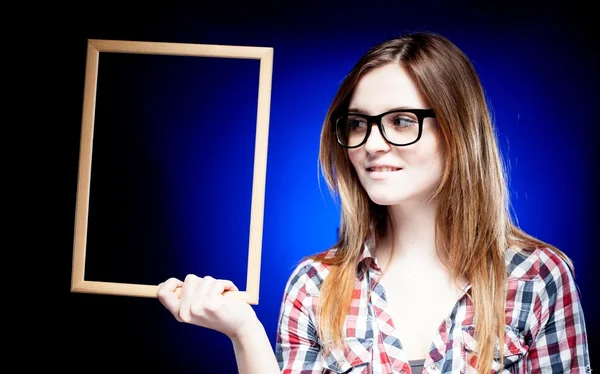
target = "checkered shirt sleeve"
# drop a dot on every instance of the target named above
(297, 346)
(557, 322)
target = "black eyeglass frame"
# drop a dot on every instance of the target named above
(420, 113)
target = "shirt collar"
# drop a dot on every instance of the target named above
(367, 260)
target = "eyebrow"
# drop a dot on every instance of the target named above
(360, 111)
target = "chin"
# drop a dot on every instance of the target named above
(398, 195)
(386, 200)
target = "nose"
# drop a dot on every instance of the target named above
(376, 143)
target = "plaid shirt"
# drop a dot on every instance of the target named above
(545, 328)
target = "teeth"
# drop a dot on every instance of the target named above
(383, 169)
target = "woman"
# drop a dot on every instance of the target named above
(429, 273)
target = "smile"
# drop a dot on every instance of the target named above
(383, 169)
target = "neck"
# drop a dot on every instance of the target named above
(410, 235)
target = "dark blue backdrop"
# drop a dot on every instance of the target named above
(171, 187)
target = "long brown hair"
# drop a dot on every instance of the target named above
(473, 223)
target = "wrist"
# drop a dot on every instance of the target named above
(248, 332)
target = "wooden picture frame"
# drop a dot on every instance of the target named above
(265, 54)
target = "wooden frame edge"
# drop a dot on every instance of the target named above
(95, 46)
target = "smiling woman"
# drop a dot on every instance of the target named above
(402, 156)
(429, 273)
(404, 177)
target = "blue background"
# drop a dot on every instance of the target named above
(154, 216)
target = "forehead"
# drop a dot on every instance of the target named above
(385, 88)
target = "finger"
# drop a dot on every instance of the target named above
(214, 295)
(188, 291)
(167, 296)
(223, 286)
(203, 291)
(169, 285)
(209, 295)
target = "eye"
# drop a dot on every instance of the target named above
(402, 120)
(356, 123)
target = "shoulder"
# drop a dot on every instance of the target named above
(539, 280)
(540, 264)
(308, 276)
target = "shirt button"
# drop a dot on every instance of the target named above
(434, 368)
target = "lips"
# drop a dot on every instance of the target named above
(383, 169)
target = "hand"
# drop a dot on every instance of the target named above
(204, 302)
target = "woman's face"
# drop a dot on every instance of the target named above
(393, 175)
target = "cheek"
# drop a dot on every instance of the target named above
(429, 153)
(435, 164)
(354, 156)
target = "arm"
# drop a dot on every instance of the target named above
(253, 351)
(559, 334)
